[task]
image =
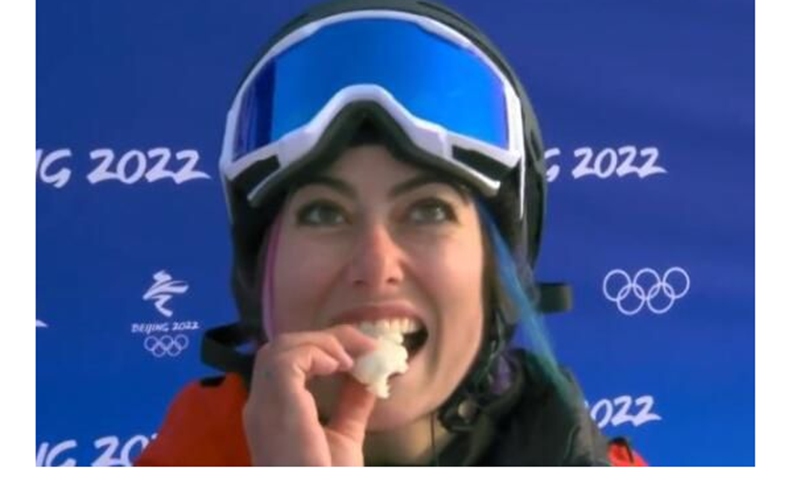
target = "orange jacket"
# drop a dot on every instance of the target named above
(203, 427)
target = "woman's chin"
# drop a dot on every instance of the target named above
(401, 408)
(389, 415)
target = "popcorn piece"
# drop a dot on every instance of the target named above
(374, 368)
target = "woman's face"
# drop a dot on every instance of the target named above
(371, 238)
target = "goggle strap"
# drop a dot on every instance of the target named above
(479, 162)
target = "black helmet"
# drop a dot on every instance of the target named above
(507, 167)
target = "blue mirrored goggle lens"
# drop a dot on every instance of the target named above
(433, 78)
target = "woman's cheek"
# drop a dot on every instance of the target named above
(456, 262)
(300, 282)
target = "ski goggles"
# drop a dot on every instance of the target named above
(449, 98)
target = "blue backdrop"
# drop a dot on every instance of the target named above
(647, 109)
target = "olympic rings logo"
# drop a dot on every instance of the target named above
(166, 345)
(647, 288)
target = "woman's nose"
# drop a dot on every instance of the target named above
(376, 260)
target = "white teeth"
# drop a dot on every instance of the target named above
(385, 327)
(390, 327)
(411, 326)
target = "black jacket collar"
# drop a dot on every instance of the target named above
(530, 424)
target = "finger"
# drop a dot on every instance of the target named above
(322, 340)
(354, 341)
(302, 363)
(344, 342)
(353, 411)
(283, 374)
(280, 417)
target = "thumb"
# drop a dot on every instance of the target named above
(353, 411)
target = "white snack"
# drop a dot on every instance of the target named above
(375, 368)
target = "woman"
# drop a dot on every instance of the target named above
(383, 170)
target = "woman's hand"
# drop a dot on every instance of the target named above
(281, 421)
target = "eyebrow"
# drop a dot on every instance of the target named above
(331, 182)
(401, 188)
(425, 179)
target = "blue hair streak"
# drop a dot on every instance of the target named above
(518, 308)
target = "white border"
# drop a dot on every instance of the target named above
(18, 126)
(776, 237)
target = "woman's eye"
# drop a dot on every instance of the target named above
(431, 211)
(321, 214)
